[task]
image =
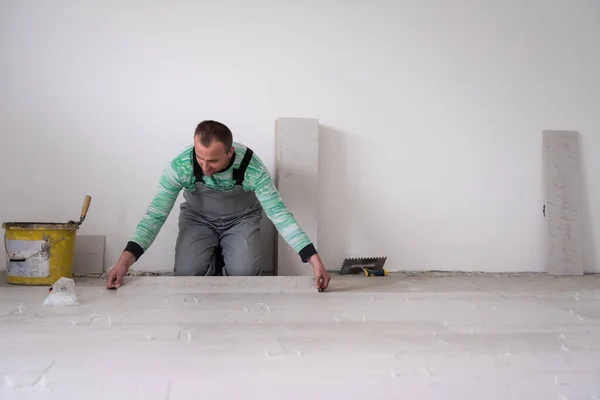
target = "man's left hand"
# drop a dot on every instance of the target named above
(319, 272)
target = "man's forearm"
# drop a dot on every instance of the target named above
(127, 258)
(315, 260)
(282, 218)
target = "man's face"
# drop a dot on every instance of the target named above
(213, 158)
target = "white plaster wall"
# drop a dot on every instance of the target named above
(432, 115)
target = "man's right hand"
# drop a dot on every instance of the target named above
(115, 276)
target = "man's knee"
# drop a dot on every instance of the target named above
(242, 255)
(243, 268)
(195, 248)
(195, 253)
(240, 266)
(194, 264)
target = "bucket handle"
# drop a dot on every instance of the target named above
(44, 248)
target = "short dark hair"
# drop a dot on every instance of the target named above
(210, 131)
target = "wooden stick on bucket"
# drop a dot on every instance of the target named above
(84, 210)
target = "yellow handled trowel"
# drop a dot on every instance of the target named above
(374, 266)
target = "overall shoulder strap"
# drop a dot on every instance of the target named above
(238, 173)
(198, 174)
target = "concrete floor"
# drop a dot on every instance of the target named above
(409, 337)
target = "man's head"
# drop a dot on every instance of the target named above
(213, 143)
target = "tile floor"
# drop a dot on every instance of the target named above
(397, 337)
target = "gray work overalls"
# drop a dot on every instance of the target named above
(215, 223)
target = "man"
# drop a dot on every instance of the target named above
(225, 186)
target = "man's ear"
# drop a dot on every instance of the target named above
(231, 150)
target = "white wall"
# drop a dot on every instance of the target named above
(432, 115)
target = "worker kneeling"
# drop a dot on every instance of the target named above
(225, 188)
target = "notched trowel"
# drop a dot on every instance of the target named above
(358, 265)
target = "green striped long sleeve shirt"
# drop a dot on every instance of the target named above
(179, 175)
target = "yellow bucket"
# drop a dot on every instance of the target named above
(39, 253)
